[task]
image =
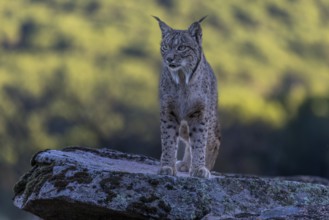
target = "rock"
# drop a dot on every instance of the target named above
(81, 183)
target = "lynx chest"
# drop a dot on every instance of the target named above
(187, 101)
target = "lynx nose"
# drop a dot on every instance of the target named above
(170, 59)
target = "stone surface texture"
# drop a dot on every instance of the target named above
(83, 183)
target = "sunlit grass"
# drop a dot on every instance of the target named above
(89, 60)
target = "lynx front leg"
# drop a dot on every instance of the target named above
(169, 130)
(198, 137)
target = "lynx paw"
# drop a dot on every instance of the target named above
(167, 170)
(182, 166)
(201, 172)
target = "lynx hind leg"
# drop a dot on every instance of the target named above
(211, 154)
(185, 164)
(213, 144)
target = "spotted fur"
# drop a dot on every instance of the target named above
(188, 103)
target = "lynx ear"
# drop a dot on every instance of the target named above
(165, 29)
(196, 31)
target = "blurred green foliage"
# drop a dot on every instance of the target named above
(86, 73)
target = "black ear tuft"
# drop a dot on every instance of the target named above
(204, 17)
(165, 29)
(156, 18)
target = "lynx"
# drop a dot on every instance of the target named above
(188, 103)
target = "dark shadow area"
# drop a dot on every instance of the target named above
(299, 148)
(305, 140)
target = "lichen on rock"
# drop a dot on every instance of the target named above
(83, 183)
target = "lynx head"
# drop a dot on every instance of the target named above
(181, 50)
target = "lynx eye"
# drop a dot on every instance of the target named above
(164, 47)
(181, 48)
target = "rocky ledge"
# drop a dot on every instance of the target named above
(81, 183)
